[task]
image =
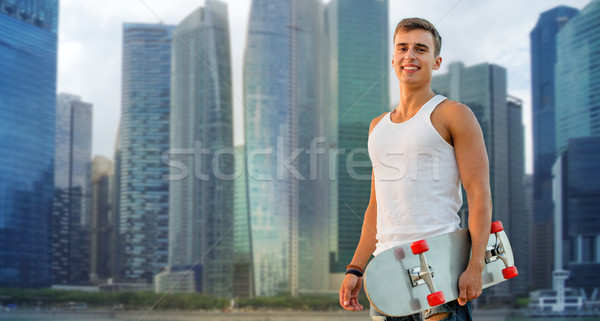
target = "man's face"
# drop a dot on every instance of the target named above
(414, 59)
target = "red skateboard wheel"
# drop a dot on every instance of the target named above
(436, 298)
(510, 272)
(419, 247)
(497, 227)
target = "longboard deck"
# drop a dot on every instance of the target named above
(388, 284)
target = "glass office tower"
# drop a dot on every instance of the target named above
(103, 221)
(283, 81)
(577, 86)
(359, 64)
(71, 224)
(577, 77)
(577, 197)
(28, 51)
(201, 201)
(144, 193)
(243, 284)
(482, 87)
(543, 59)
(520, 218)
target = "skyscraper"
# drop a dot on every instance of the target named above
(577, 201)
(359, 65)
(72, 196)
(103, 225)
(520, 221)
(243, 277)
(577, 145)
(201, 201)
(577, 78)
(28, 34)
(482, 87)
(144, 194)
(283, 72)
(543, 58)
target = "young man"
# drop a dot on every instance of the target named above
(421, 151)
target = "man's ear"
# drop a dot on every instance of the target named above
(392, 61)
(438, 63)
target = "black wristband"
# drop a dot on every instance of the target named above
(355, 272)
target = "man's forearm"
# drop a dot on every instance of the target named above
(368, 239)
(480, 217)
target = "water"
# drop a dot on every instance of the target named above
(285, 316)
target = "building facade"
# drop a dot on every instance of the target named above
(482, 87)
(243, 276)
(577, 78)
(144, 133)
(103, 224)
(28, 34)
(201, 201)
(358, 91)
(72, 211)
(577, 130)
(577, 197)
(283, 118)
(520, 220)
(543, 59)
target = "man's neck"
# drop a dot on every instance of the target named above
(411, 100)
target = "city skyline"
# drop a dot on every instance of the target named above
(100, 83)
(303, 73)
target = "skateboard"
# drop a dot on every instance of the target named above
(410, 278)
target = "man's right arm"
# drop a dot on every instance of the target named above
(366, 246)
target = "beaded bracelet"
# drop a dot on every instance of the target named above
(355, 267)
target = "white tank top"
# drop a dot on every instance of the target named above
(417, 184)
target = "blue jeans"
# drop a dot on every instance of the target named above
(455, 310)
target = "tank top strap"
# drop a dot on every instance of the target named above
(429, 107)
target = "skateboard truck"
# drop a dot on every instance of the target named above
(424, 274)
(496, 252)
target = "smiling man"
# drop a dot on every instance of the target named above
(421, 152)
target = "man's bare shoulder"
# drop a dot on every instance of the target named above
(375, 121)
(454, 113)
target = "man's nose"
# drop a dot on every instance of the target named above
(411, 54)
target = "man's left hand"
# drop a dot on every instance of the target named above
(469, 285)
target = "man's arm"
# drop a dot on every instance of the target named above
(473, 167)
(366, 246)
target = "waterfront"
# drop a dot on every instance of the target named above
(480, 315)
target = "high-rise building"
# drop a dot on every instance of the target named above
(520, 223)
(28, 34)
(577, 145)
(103, 225)
(577, 78)
(144, 193)
(201, 195)
(116, 206)
(543, 59)
(528, 248)
(482, 87)
(358, 92)
(283, 92)
(577, 202)
(243, 283)
(72, 211)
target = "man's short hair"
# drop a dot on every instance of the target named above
(410, 24)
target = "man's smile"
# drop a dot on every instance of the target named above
(411, 68)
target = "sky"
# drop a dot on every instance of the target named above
(473, 32)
